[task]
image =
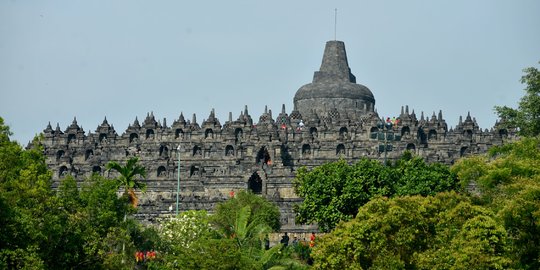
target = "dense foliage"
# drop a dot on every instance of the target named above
(508, 182)
(527, 116)
(334, 191)
(71, 228)
(496, 226)
(231, 238)
(436, 232)
(406, 215)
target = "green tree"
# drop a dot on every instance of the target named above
(334, 191)
(527, 116)
(416, 177)
(508, 182)
(128, 177)
(412, 232)
(506, 164)
(182, 231)
(28, 211)
(261, 212)
(70, 228)
(231, 238)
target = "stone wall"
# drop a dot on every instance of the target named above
(241, 154)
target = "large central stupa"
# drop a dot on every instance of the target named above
(334, 88)
(333, 119)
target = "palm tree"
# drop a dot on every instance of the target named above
(249, 237)
(128, 178)
(248, 233)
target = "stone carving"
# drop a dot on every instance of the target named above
(333, 118)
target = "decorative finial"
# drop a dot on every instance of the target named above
(335, 24)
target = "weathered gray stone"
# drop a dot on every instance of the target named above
(333, 118)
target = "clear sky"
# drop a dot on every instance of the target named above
(122, 59)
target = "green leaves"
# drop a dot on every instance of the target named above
(334, 191)
(441, 232)
(527, 116)
(231, 238)
(127, 178)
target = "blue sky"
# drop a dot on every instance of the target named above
(122, 59)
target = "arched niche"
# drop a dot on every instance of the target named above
(161, 172)
(96, 169)
(343, 131)
(432, 135)
(102, 137)
(63, 171)
(149, 134)
(163, 151)
(422, 136)
(60, 154)
(193, 171)
(313, 132)
(463, 151)
(71, 138)
(133, 137)
(178, 133)
(88, 154)
(373, 132)
(503, 133)
(208, 133)
(340, 150)
(197, 150)
(411, 147)
(263, 156)
(306, 150)
(255, 183)
(405, 131)
(229, 151)
(238, 134)
(468, 134)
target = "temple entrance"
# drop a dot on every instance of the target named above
(255, 183)
(263, 156)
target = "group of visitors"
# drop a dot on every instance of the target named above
(392, 120)
(285, 240)
(143, 256)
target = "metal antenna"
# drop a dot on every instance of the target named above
(335, 23)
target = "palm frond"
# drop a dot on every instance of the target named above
(241, 225)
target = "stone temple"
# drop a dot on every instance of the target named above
(333, 117)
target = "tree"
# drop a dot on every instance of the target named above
(69, 228)
(28, 216)
(508, 182)
(128, 180)
(128, 177)
(506, 164)
(261, 212)
(436, 232)
(182, 231)
(231, 238)
(416, 177)
(334, 191)
(527, 116)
